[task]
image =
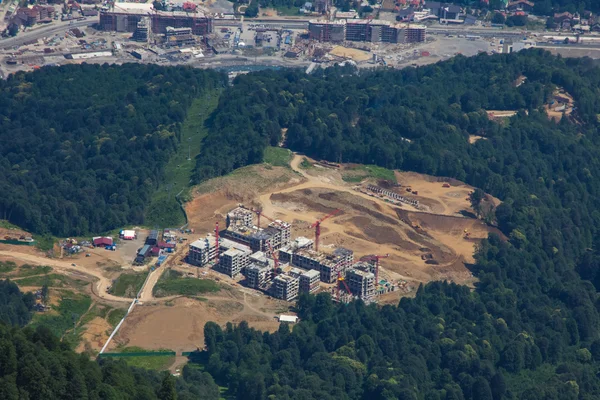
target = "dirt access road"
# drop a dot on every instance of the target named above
(98, 288)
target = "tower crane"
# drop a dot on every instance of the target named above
(217, 242)
(259, 214)
(374, 257)
(317, 226)
(341, 279)
(275, 257)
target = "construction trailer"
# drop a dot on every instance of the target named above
(144, 252)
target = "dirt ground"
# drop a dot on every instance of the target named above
(355, 54)
(179, 326)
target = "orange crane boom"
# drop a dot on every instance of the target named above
(374, 257)
(317, 226)
(340, 278)
(217, 242)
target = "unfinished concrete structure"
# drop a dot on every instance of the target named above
(363, 30)
(234, 260)
(259, 276)
(329, 265)
(240, 216)
(124, 17)
(361, 282)
(327, 31)
(286, 286)
(179, 36)
(309, 281)
(286, 253)
(202, 251)
(141, 33)
(276, 235)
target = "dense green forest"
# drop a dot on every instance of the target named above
(83, 146)
(530, 330)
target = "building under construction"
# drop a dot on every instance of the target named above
(240, 228)
(365, 30)
(124, 17)
(328, 265)
(286, 286)
(361, 282)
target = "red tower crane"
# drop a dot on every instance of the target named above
(217, 242)
(374, 257)
(317, 226)
(275, 258)
(259, 214)
(340, 278)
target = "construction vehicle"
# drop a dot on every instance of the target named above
(317, 226)
(467, 234)
(376, 258)
(446, 185)
(409, 189)
(415, 192)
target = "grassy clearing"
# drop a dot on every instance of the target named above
(127, 285)
(287, 11)
(362, 172)
(277, 156)
(116, 315)
(44, 243)
(60, 320)
(157, 363)
(6, 267)
(164, 211)
(173, 283)
(30, 270)
(255, 178)
(305, 164)
(52, 280)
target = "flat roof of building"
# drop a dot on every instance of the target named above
(362, 273)
(148, 9)
(311, 273)
(288, 318)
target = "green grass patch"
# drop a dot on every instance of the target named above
(30, 270)
(164, 210)
(127, 285)
(45, 242)
(287, 11)
(52, 280)
(157, 363)
(6, 267)
(61, 318)
(305, 164)
(7, 225)
(173, 283)
(116, 315)
(277, 156)
(361, 172)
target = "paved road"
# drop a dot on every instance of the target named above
(45, 31)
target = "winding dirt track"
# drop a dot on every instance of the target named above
(98, 288)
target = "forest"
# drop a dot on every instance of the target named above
(531, 328)
(83, 146)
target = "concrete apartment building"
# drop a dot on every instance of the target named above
(309, 281)
(202, 251)
(329, 265)
(363, 30)
(259, 276)
(124, 17)
(240, 216)
(233, 261)
(361, 283)
(286, 287)
(286, 253)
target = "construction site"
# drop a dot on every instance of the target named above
(269, 261)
